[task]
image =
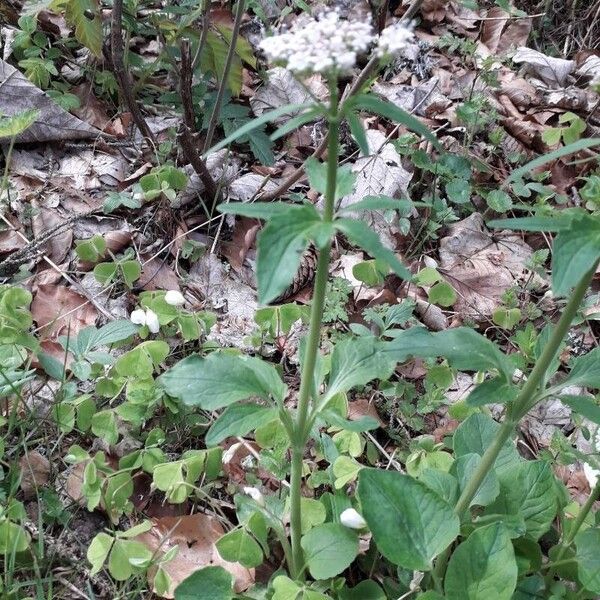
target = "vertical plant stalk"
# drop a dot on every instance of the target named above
(188, 128)
(574, 530)
(312, 345)
(526, 399)
(214, 117)
(122, 74)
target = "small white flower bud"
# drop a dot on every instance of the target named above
(430, 262)
(152, 321)
(174, 298)
(591, 475)
(255, 494)
(352, 519)
(138, 317)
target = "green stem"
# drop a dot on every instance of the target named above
(573, 530)
(312, 344)
(524, 402)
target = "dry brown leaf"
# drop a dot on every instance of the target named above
(363, 408)
(481, 267)
(59, 310)
(500, 32)
(10, 240)
(94, 112)
(45, 220)
(195, 535)
(549, 69)
(244, 234)
(53, 123)
(35, 472)
(157, 275)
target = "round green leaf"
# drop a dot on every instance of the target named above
(210, 583)
(239, 546)
(329, 549)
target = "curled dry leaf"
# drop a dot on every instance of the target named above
(195, 536)
(52, 124)
(500, 32)
(481, 267)
(47, 221)
(550, 70)
(35, 472)
(244, 235)
(61, 311)
(157, 275)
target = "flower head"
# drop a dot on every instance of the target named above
(255, 494)
(322, 44)
(146, 317)
(174, 298)
(352, 519)
(394, 39)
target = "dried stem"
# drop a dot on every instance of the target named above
(122, 74)
(214, 117)
(186, 136)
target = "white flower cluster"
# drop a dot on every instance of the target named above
(394, 39)
(146, 317)
(321, 45)
(327, 43)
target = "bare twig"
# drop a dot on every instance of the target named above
(214, 117)
(186, 136)
(122, 74)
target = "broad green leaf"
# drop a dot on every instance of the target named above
(551, 156)
(588, 558)
(214, 58)
(549, 224)
(530, 588)
(286, 589)
(13, 538)
(369, 272)
(345, 470)
(497, 390)
(209, 583)
(104, 425)
(585, 371)
(403, 206)
(238, 420)
(255, 210)
(574, 252)
(584, 406)
(356, 361)
(141, 362)
(329, 549)
(482, 567)
(442, 294)
(313, 513)
(464, 348)
(394, 113)
(87, 31)
(360, 234)
(365, 423)
(126, 557)
(458, 191)
(252, 125)
(11, 127)
(358, 133)
(464, 467)
(476, 433)
(280, 247)
(411, 524)
(221, 379)
(442, 483)
(98, 550)
(528, 489)
(365, 590)
(239, 546)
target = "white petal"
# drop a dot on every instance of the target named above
(352, 519)
(174, 298)
(138, 317)
(255, 494)
(591, 475)
(152, 321)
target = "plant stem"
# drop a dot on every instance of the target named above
(573, 530)
(214, 117)
(312, 345)
(524, 402)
